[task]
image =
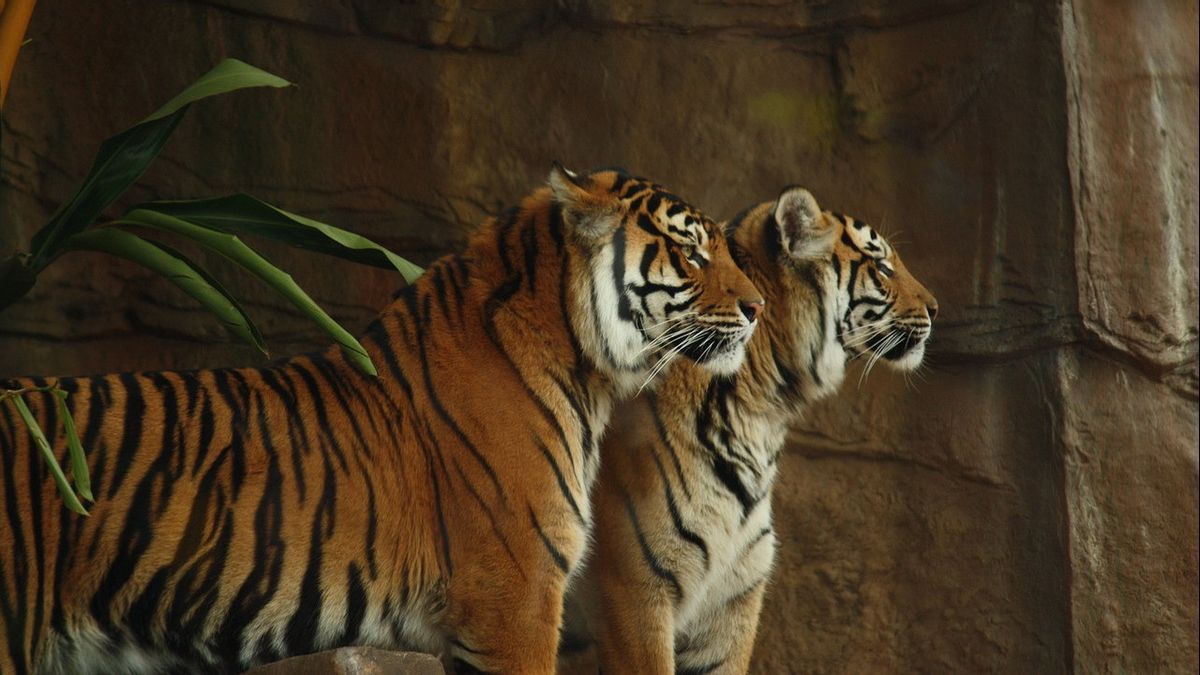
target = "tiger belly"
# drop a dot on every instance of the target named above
(88, 649)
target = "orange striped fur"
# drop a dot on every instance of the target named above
(684, 544)
(245, 515)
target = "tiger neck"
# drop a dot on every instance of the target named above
(511, 301)
(792, 361)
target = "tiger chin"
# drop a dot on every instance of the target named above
(246, 515)
(683, 539)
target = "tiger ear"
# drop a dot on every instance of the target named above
(586, 207)
(804, 233)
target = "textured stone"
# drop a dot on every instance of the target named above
(336, 15)
(492, 24)
(1132, 490)
(1134, 112)
(1028, 504)
(769, 17)
(919, 542)
(355, 661)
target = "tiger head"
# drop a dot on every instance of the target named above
(838, 289)
(660, 281)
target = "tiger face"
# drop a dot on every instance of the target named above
(662, 282)
(870, 305)
(888, 313)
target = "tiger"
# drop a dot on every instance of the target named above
(684, 544)
(245, 515)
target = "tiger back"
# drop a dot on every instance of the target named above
(246, 515)
(684, 543)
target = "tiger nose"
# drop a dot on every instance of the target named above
(932, 307)
(751, 308)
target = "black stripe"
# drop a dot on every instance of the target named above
(808, 274)
(324, 430)
(530, 246)
(673, 507)
(261, 584)
(648, 257)
(356, 606)
(581, 362)
(450, 422)
(725, 470)
(438, 274)
(234, 405)
(342, 392)
(562, 482)
(618, 271)
(302, 628)
(559, 559)
(206, 425)
(652, 560)
(131, 417)
(646, 223)
(47, 403)
(428, 447)
(742, 594)
(14, 611)
(286, 396)
(585, 432)
(68, 527)
(203, 544)
(393, 365)
(497, 298)
(172, 447)
(372, 514)
(487, 511)
(194, 598)
(665, 439)
(135, 536)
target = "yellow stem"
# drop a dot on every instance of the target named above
(14, 19)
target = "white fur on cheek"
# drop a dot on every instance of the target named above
(623, 339)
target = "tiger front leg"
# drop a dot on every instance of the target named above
(633, 629)
(506, 623)
(722, 641)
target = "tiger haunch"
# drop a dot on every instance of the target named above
(246, 515)
(684, 543)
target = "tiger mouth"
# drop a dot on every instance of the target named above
(715, 344)
(897, 343)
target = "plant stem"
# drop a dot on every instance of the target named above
(14, 19)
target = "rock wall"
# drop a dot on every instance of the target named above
(1028, 504)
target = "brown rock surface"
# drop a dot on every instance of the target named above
(1030, 505)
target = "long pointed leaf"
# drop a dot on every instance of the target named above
(244, 215)
(124, 157)
(226, 76)
(64, 488)
(178, 270)
(79, 467)
(236, 250)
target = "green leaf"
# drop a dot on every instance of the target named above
(228, 75)
(124, 157)
(79, 467)
(236, 250)
(178, 270)
(244, 215)
(64, 488)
